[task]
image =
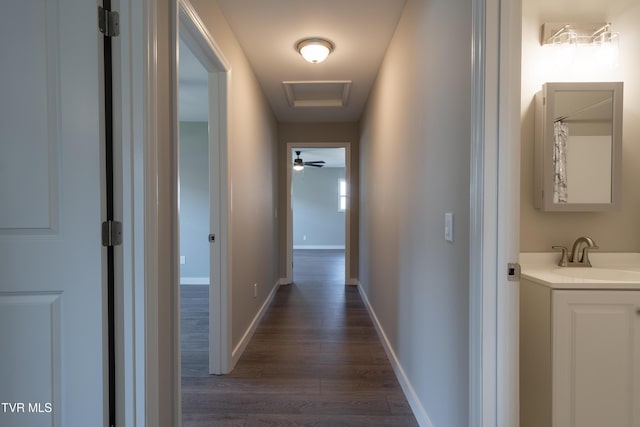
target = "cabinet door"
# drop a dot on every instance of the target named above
(596, 358)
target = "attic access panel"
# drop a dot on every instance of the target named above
(328, 93)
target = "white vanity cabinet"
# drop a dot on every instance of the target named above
(579, 357)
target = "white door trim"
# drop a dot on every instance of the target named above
(129, 90)
(347, 237)
(195, 35)
(509, 77)
(495, 177)
(153, 400)
(161, 269)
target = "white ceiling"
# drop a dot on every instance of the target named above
(269, 29)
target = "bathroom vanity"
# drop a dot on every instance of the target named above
(580, 342)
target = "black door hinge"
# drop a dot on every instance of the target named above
(108, 22)
(111, 233)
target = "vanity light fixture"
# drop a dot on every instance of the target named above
(314, 50)
(597, 34)
(568, 37)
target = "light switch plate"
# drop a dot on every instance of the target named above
(448, 227)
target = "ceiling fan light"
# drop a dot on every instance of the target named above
(298, 164)
(314, 50)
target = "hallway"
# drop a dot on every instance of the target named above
(315, 359)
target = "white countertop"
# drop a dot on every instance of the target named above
(609, 271)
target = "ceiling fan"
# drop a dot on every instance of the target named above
(299, 164)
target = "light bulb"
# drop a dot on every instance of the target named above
(314, 53)
(314, 50)
(566, 45)
(608, 49)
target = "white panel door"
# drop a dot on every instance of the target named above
(51, 292)
(596, 358)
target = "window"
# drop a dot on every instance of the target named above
(342, 195)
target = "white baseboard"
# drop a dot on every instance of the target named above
(318, 247)
(194, 280)
(352, 282)
(417, 408)
(239, 349)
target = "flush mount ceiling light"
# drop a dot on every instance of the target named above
(314, 50)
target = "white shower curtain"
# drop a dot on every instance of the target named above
(560, 141)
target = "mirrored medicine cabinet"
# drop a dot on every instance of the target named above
(578, 147)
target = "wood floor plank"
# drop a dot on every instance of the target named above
(328, 420)
(214, 420)
(315, 359)
(258, 385)
(284, 403)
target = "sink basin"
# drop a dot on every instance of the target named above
(603, 274)
(615, 270)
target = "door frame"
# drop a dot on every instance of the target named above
(495, 213)
(347, 236)
(496, 39)
(195, 35)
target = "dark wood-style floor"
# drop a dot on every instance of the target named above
(315, 359)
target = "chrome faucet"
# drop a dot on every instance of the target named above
(579, 256)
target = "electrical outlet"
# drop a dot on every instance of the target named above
(304, 237)
(255, 290)
(183, 259)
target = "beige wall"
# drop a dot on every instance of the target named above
(414, 162)
(614, 231)
(319, 132)
(253, 176)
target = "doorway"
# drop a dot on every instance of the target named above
(202, 197)
(194, 203)
(318, 200)
(487, 20)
